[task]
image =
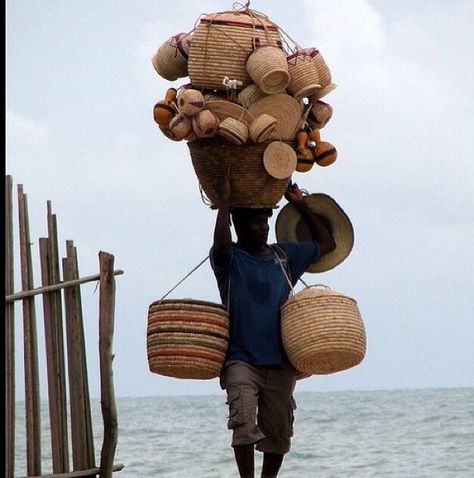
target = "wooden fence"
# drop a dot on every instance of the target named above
(71, 433)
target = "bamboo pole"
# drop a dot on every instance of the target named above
(61, 285)
(52, 312)
(32, 396)
(106, 331)
(9, 326)
(81, 423)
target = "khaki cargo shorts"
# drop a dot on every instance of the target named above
(261, 405)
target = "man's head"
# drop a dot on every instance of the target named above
(251, 224)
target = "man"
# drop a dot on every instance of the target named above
(257, 375)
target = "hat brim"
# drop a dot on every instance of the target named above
(290, 226)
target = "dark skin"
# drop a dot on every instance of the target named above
(252, 237)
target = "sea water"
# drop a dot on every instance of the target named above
(396, 433)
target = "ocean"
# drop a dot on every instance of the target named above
(358, 434)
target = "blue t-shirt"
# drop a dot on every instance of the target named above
(258, 288)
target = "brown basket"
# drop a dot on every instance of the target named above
(304, 75)
(324, 73)
(322, 331)
(221, 44)
(187, 338)
(251, 185)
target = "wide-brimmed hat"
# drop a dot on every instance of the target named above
(290, 226)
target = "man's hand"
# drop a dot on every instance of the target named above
(293, 193)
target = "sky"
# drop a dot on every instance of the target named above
(80, 90)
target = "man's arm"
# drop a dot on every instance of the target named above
(222, 234)
(319, 232)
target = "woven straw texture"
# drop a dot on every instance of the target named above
(252, 186)
(250, 94)
(221, 44)
(285, 109)
(322, 332)
(268, 68)
(169, 61)
(304, 75)
(226, 109)
(187, 338)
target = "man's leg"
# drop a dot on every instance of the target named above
(244, 456)
(271, 464)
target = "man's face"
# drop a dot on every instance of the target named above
(258, 228)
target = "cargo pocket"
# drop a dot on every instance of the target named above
(291, 416)
(236, 409)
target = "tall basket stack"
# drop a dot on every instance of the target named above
(243, 65)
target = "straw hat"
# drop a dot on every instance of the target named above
(285, 109)
(250, 94)
(290, 226)
(323, 91)
(224, 109)
(279, 160)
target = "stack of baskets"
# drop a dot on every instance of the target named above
(249, 85)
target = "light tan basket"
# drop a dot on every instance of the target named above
(268, 68)
(252, 186)
(205, 124)
(233, 130)
(320, 114)
(304, 75)
(190, 102)
(262, 127)
(322, 331)
(181, 126)
(221, 44)
(171, 59)
(187, 338)
(324, 73)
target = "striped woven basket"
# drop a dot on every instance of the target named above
(171, 59)
(221, 44)
(304, 75)
(252, 186)
(322, 331)
(187, 338)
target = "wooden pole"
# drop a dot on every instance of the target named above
(9, 326)
(53, 330)
(106, 331)
(50, 288)
(81, 423)
(32, 395)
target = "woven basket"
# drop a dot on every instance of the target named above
(304, 75)
(187, 338)
(320, 114)
(171, 60)
(181, 126)
(324, 74)
(322, 331)
(190, 102)
(233, 130)
(262, 127)
(221, 44)
(252, 186)
(268, 68)
(205, 124)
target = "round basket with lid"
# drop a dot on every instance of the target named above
(322, 331)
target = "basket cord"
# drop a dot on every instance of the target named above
(185, 277)
(286, 275)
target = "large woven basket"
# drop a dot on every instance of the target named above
(221, 44)
(322, 331)
(251, 185)
(187, 338)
